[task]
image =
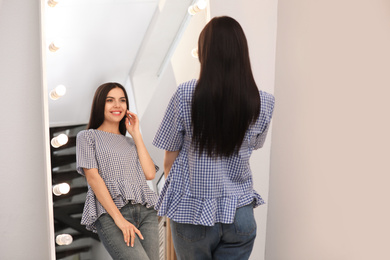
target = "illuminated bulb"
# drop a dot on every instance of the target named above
(194, 53)
(58, 92)
(60, 189)
(55, 45)
(201, 4)
(197, 7)
(192, 10)
(64, 239)
(59, 140)
(52, 3)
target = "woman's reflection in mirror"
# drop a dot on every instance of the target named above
(119, 205)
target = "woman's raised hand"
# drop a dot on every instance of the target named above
(132, 123)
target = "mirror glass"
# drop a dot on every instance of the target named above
(91, 42)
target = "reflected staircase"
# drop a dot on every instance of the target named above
(68, 207)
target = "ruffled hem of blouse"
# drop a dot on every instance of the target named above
(122, 193)
(183, 208)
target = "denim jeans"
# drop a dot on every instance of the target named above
(112, 237)
(221, 241)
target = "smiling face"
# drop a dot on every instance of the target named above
(115, 108)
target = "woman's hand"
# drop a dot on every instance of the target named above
(102, 194)
(132, 126)
(129, 231)
(132, 123)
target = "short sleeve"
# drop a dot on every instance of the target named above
(85, 152)
(170, 134)
(264, 121)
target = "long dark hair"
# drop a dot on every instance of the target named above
(226, 100)
(99, 102)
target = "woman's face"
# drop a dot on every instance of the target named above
(115, 108)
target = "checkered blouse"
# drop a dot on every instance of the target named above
(204, 190)
(116, 158)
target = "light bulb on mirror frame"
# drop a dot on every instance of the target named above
(194, 53)
(53, 47)
(58, 92)
(64, 239)
(59, 140)
(60, 189)
(197, 7)
(52, 3)
(56, 45)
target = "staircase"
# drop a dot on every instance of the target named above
(68, 208)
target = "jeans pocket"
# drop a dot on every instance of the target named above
(244, 221)
(188, 232)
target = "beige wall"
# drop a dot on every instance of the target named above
(25, 232)
(330, 174)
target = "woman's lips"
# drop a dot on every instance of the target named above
(116, 113)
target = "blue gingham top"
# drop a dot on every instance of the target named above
(116, 158)
(204, 190)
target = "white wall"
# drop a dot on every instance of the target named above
(329, 185)
(154, 114)
(183, 67)
(24, 196)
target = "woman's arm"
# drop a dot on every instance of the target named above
(143, 154)
(169, 158)
(102, 194)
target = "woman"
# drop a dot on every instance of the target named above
(209, 131)
(119, 203)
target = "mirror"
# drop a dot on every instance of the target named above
(91, 42)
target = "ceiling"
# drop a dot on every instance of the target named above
(105, 40)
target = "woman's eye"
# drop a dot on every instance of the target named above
(109, 100)
(123, 100)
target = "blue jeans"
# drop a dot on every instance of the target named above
(221, 241)
(112, 237)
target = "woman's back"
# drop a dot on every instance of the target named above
(210, 182)
(209, 130)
